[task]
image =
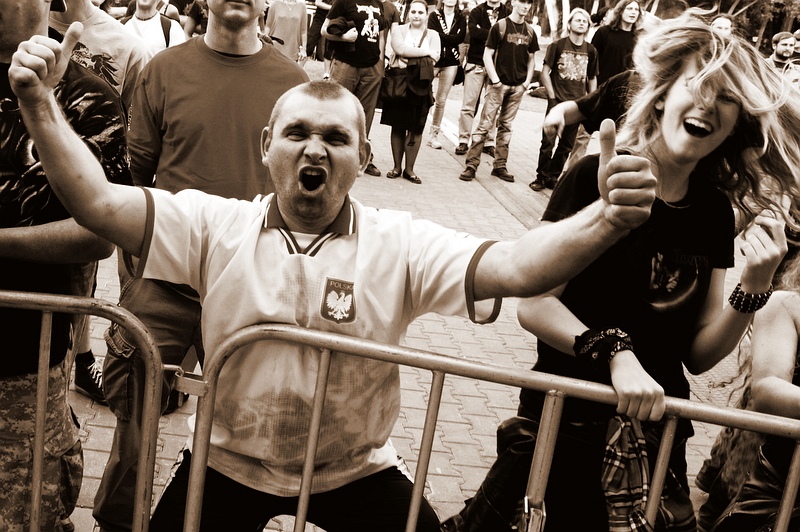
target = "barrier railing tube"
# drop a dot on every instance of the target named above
(48, 304)
(442, 365)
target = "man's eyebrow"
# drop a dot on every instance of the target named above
(326, 130)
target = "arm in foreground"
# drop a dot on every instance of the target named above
(551, 254)
(114, 212)
(774, 350)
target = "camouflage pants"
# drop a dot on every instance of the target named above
(63, 457)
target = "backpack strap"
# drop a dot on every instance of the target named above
(166, 22)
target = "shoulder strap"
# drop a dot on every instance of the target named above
(422, 39)
(166, 22)
(502, 25)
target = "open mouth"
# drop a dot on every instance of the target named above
(312, 178)
(697, 128)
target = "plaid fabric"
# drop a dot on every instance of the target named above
(626, 476)
(626, 483)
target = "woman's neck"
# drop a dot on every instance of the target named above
(672, 175)
(449, 10)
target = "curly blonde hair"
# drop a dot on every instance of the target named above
(756, 164)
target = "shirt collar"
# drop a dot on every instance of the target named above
(344, 224)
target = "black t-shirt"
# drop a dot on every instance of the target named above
(610, 100)
(616, 51)
(571, 68)
(652, 284)
(481, 19)
(368, 18)
(26, 199)
(199, 13)
(512, 44)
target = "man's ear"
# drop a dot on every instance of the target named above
(266, 139)
(364, 152)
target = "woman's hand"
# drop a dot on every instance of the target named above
(764, 246)
(638, 394)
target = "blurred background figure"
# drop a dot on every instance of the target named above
(287, 23)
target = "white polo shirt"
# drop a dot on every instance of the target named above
(369, 276)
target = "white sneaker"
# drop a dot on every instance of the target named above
(434, 143)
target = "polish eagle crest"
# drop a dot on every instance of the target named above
(338, 305)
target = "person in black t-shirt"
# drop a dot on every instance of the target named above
(569, 72)
(42, 249)
(653, 303)
(358, 68)
(509, 62)
(615, 41)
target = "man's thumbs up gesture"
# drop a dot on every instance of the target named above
(38, 65)
(626, 184)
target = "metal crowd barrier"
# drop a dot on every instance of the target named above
(557, 388)
(48, 304)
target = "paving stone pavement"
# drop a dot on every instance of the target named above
(464, 446)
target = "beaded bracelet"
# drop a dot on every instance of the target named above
(746, 303)
(599, 347)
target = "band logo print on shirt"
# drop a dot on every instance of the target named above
(338, 304)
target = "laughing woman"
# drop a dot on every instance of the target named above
(717, 127)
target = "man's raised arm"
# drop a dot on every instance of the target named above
(115, 212)
(552, 254)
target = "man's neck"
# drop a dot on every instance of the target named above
(626, 26)
(145, 13)
(77, 11)
(239, 41)
(492, 5)
(516, 18)
(576, 38)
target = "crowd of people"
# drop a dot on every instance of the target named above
(106, 144)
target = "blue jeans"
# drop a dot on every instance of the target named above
(363, 82)
(474, 78)
(552, 162)
(174, 321)
(446, 76)
(501, 105)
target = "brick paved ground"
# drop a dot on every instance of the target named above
(465, 442)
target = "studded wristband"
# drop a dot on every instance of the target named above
(746, 303)
(599, 347)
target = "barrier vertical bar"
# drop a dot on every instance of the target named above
(660, 472)
(313, 440)
(542, 460)
(42, 388)
(425, 449)
(789, 492)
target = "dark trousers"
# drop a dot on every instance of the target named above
(377, 502)
(551, 162)
(574, 500)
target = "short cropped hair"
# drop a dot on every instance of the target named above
(781, 36)
(323, 90)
